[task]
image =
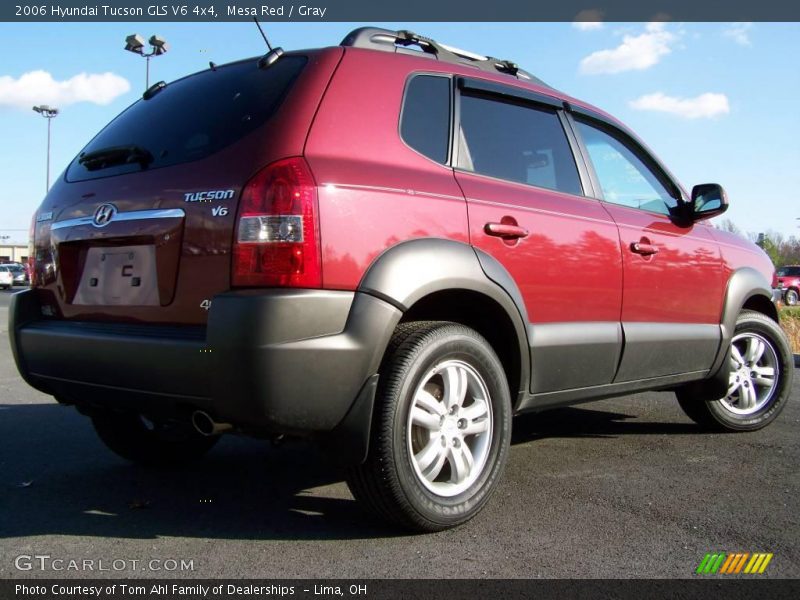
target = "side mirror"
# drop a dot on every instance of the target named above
(708, 200)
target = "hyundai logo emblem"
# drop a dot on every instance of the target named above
(104, 215)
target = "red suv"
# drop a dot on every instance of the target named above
(789, 283)
(383, 245)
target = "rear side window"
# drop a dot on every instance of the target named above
(193, 117)
(425, 119)
(516, 142)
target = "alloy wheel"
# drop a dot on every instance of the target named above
(754, 374)
(450, 428)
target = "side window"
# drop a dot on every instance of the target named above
(516, 142)
(425, 119)
(624, 177)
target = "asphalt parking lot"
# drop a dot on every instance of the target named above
(621, 488)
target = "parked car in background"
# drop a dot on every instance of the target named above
(789, 283)
(6, 277)
(18, 272)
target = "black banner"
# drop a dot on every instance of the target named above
(251, 589)
(408, 10)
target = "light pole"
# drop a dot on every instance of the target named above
(48, 112)
(158, 46)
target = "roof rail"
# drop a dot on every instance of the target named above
(387, 40)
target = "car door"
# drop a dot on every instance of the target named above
(672, 292)
(527, 208)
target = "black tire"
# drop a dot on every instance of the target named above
(151, 443)
(728, 413)
(390, 482)
(790, 298)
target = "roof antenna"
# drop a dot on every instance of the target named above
(270, 57)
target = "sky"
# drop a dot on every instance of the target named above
(715, 101)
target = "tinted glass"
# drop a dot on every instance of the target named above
(196, 116)
(789, 272)
(425, 122)
(516, 142)
(624, 177)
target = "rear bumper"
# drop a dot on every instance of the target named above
(285, 361)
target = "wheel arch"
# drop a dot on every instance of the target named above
(747, 289)
(484, 315)
(439, 279)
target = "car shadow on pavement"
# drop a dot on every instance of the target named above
(572, 422)
(57, 478)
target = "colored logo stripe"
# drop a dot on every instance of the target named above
(733, 563)
(711, 562)
(736, 563)
(758, 563)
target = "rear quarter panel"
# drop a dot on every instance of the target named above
(375, 191)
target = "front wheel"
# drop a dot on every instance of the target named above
(760, 381)
(441, 429)
(790, 298)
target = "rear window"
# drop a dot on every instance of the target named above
(193, 117)
(425, 122)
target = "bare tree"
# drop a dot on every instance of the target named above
(729, 226)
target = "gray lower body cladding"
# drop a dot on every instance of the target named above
(288, 361)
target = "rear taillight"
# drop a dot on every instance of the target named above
(277, 242)
(32, 251)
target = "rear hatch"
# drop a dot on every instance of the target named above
(141, 225)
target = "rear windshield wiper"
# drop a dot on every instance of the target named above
(116, 155)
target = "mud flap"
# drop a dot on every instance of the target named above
(348, 442)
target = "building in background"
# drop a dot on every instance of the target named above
(11, 252)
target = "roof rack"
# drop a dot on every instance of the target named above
(387, 40)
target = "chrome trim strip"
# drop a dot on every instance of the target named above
(376, 188)
(133, 215)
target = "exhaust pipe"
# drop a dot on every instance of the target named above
(205, 425)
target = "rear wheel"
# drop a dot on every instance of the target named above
(790, 298)
(152, 443)
(760, 381)
(441, 430)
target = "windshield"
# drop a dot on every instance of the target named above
(789, 272)
(189, 119)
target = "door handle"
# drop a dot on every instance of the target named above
(505, 231)
(644, 248)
